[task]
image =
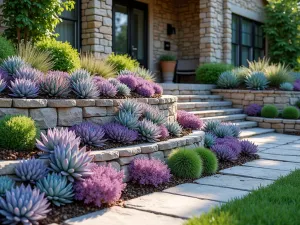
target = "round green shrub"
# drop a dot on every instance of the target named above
(122, 62)
(209, 73)
(18, 133)
(64, 56)
(269, 111)
(185, 164)
(7, 48)
(297, 104)
(209, 159)
(290, 112)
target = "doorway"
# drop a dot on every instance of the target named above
(130, 29)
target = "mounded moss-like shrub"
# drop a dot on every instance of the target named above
(64, 56)
(18, 133)
(269, 111)
(209, 73)
(290, 112)
(7, 48)
(185, 164)
(122, 62)
(209, 159)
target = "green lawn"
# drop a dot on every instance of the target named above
(277, 204)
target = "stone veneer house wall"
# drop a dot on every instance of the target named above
(203, 27)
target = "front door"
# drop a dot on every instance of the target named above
(130, 31)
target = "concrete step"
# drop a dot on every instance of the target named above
(198, 106)
(216, 112)
(227, 118)
(199, 98)
(255, 131)
(187, 89)
(246, 124)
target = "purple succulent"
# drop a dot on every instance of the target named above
(56, 84)
(31, 170)
(10, 65)
(297, 85)
(253, 110)
(149, 131)
(3, 84)
(90, 134)
(129, 80)
(224, 152)
(118, 133)
(97, 79)
(231, 142)
(23, 88)
(145, 90)
(188, 120)
(107, 89)
(28, 73)
(164, 133)
(157, 88)
(248, 148)
(105, 186)
(149, 172)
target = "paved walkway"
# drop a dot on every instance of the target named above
(280, 154)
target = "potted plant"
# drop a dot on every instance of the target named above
(168, 64)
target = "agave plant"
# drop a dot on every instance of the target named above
(23, 205)
(56, 137)
(107, 89)
(11, 65)
(235, 129)
(85, 88)
(209, 140)
(210, 126)
(174, 128)
(55, 84)
(228, 80)
(57, 189)
(149, 131)
(23, 88)
(223, 131)
(6, 184)
(31, 170)
(80, 74)
(123, 90)
(286, 86)
(257, 81)
(155, 116)
(119, 133)
(132, 107)
(28, 73)
(72, 162)
(127, 119)
(90, 134)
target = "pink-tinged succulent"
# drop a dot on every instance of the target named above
(158, 89)
(224, 152)
(104, 187)
(107, 89)
(28, 73)
(248, 148)
(145, 90)
(149, 172)
(253, 110)
(56, 84)
(129, 80)
(149, 131)
(164, 133)
(188, 120)
(23, 88)
(31, 170)
(231, 142)
(118, 133)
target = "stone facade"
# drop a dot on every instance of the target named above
(243, 98)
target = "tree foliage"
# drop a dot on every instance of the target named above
(282, 31)
(33, 20)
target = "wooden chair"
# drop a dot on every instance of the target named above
(185, 67)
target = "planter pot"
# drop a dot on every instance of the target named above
(168, 70)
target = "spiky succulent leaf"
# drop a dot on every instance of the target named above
(132, 107)
(235, 129)
(23, 88)
(123, 89)
(228, 80)
(174, 128)
(10, 65)
(107, 89)
(57, 189)
(257, 81)
(28, 73)
(149, 131)
(223, 130)
(224, 152)
(127, 119)
(3, 84)
(209, 140)
(155, 116)
(114, 81)
(85, 89)
(248, 147)
(80, 74)
(31, 170)
(56, 84)
(6, 184)
(119, 133)
(210, 125)
(286, 86)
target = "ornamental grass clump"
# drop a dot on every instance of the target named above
(157, 88)
(79, 75)
(209, 140)
(132, 107)
(31, 170)
(123, 90)
(18, 133)
(174, 128)
(290, 112)
(209, 160)
(241, 73)
(118, 133)
(90, 134)
(145, 90)
(278, 74)
(127, 119)
(248, 148)
(23, 88)
(6, 183)
(236, 130)
(23, 205)
(10, 65)
(185, 163)
(104, 187)
(149, 131)
(228, 80)
(145, 74)
(149, 172)
(57, 189)
(253, 110)
(256, 81)
(269, 111)
(188, 120)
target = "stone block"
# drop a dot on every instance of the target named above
(29, 103)
(148, 148)
(128, 151)
(5, 102)
(167, 145)
(85, 102)
(125, 160)
(104, 102)
(157, 155)
(115, 165)
(265, 125)
(278, 126)
(94, 111)
(269, 100)
(69, 116)
(61, 103)
(101, 120)
(105, 155)
(45, 117)
(126, 173)
(13, 111)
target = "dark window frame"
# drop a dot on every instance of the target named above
(239, 43)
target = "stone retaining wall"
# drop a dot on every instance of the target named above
(280, 125)
(243, 98)
(119, 158)
(50, 113)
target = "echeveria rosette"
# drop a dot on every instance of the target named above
(127, 119)
(31, 170)
(149, 131)
(6, 183)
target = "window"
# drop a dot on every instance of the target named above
(69, 28)
(247, 41)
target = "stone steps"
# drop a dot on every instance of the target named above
(254, 132)
(199, 98)
(246, 124)
(199, 106)
(227, 118)
(216, 112)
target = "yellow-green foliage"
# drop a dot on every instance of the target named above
(6, 48)
(209, 159)
(259, 65)
(278, 74)
(122, 62)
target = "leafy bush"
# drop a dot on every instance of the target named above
(286, 86)
(290, 112)
(165, 58)
(6, 183)
(189, 120)
(228, 80)
(269, 111)
(118, 133)
(253, 110)
(149, 172)
(209, 73)
(64, 56)
(105, 186)
(277, 74)
(248, 148)
(122, 62)
(31, 170)
(257, 81)
(7, 48)
(209, 159)
(185, 164)
(18, 133)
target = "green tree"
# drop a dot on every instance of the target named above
(33, 20)
(282, 31)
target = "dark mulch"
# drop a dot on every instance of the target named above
(297, 133)
(132, 190)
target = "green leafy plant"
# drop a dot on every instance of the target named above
(122, 62)
(228, 80)
(209, 159)
(269, 111)
(290, 112)
(167, 58)
(64, 56)
(18, 133)
(185, 164)
(278, 74)
(7, 48)
(297, 104)
(33, 20)
(209, 73)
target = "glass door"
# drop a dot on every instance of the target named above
(130, 21)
